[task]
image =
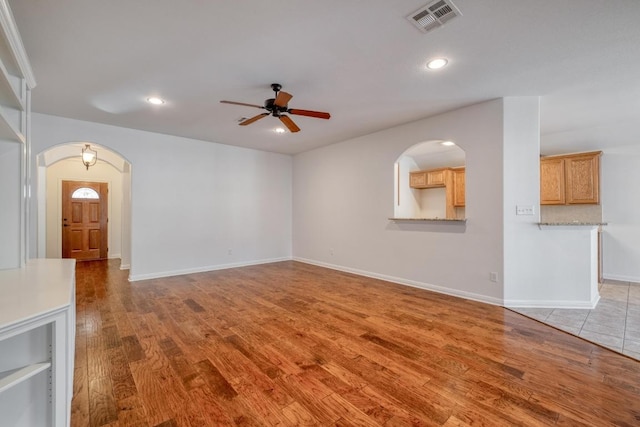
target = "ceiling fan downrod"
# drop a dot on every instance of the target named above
(276, 87)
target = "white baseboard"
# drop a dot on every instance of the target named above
(125, 266)
(114, 256)
(398, 280)
(406, 282)
(135, 278)
(621, 278)
(552, 304)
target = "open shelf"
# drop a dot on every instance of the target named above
(14, 377)
(8, 94)
(8, 130)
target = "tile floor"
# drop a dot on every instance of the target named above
(614, 323)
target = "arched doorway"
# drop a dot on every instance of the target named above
(63, 162)
(416, 195)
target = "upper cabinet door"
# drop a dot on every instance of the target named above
(428, 179)
(459, 187)
(418, 179)
(552, 181)
(570, 179)
(437, 177)
(582, 178)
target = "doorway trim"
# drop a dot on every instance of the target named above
(68, 150)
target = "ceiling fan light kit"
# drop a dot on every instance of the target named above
(277, 107)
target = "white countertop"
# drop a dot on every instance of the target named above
(41, 287)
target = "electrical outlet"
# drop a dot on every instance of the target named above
(493, 276)
(525, 210)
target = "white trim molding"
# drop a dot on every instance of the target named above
(406, 282)
(10, 29)
(622, 278)
(137, 277)
(515, 304)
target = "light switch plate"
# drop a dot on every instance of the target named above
(525, 210)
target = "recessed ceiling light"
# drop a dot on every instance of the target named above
(437, 63)
(448, 143)
(155, 100)
(279, 130)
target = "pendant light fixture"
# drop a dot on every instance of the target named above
(89, 156)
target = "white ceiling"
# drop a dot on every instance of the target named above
(360, 60)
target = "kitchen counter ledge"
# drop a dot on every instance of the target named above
(574, 223)
(429, 219)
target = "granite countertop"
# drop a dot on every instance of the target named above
(428, 219)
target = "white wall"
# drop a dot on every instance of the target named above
(433, 202)
(10, 204)
(521, 187)
(74, 170)
(621, 208)
(125, 255)
(344, 193)
(619, 190)
(543, 267)
(192, 201)
(549, 266)
(406, 203)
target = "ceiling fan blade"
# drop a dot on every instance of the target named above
(253, 119)
(316, 114)
(289, 123)
(282, 99)
(242, 103)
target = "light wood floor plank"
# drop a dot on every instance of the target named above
(290, 344)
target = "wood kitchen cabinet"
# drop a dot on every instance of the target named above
(570, 179)
(418, 179)
(429, 179)
(458, 187)
(583, 178)
(552, 181)
(451, 179)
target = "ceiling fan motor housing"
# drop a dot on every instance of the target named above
(271, 107)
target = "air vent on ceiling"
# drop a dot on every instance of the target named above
(434, 15)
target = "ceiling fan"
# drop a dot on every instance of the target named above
(276, 107)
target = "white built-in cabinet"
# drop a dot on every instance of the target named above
(16, 83)
(37, 297)
(37, 341)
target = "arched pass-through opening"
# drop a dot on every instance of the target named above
(64, 162)
(429, 180)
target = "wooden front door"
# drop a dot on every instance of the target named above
(84, 220)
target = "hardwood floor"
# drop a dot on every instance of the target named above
(291, 344)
